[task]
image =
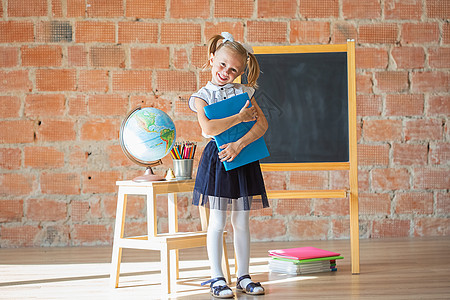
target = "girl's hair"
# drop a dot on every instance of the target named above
(248, 59)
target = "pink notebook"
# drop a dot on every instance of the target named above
(302, 253)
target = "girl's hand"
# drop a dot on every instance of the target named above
(229, 152)
(248, 113)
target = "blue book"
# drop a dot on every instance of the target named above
(231, 106)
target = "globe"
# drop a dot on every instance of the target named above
(146, 136)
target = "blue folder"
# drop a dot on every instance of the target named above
(231, 106)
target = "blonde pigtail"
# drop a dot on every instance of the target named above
(253, 71)
(213, 45)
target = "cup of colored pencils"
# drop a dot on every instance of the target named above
(183, 159)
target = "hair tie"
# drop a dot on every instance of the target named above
(227, 37)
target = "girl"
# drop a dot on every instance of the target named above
(240, 189)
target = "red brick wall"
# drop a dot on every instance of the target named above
(70, 70)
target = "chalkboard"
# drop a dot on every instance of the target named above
(304, 97)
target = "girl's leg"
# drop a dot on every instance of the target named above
(241, 229)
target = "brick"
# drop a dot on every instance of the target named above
(373, 155)
(446, 33)
(199, 56)
(43, 157)
(409, 57)
(152, 58)
(92, 234)
(78, 157)
(442, 203)
(185, 81)
(341, 229)
(430, 82)
(387, 228)
(57, 10)
(155, 9)
(76, 8)
(151, 101)
(15, 81)
(339, 180)
(363, 180)
(402, 10)
(77, 105)
(10, 158)
(392, 81)
(180, 59)
(108, 105)
(275, 180)
(420, 33)
(390, 179)
(16, 32)
(319, 9)
(180, 9)
(181, 107)
(132, 81)
(79, 210)
(100, 130)
(55, 80)
(308, 180)
(342, 31)
(14, 132)
(294, 207)
(56, 130)
(60, 183)
(404, 105)
(98, 182)
(309, 32)
(264, 31)
(41, 56)
(439, 153)
(364, 83)
(105, 8)
(77, 56)
(431, 227)
(19, 236)
(371, 58)
(138, 32)
(431, 178)
(236, 9)
(382, 130)
(180, 33)
(439, 9)
(277, 8)
(110, 56)
(423, 130)
(374, 203)
(213, 28)
(414, 203)
(410, 154)
(188, 130)
(308, 229)
(44, 105)
(93, 80)
(31, 8)
(268, 229)
(46, 210)
(8, 57)
(11, 210)
(367, 9)
(331, 207)
(439, 57)
(385, 33)
(368, 105)
(10, 107)
(117, 158)
(12, 184)
(54, 31)
(136, 207)
(89, 32)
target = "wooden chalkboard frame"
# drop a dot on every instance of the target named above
(351, 165)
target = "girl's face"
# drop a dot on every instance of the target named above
(225, 66)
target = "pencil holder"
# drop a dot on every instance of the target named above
(183, 168)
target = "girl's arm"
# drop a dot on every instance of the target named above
(231, 150)
(217, 126)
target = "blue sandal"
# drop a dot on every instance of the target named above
(215, 290)
(250, 288)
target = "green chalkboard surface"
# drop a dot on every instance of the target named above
(304, 97)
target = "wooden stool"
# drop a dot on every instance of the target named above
(167, 243)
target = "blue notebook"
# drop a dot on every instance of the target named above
(231, 106)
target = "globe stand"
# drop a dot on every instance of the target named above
(148, 176)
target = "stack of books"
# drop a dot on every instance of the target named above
(304, 260)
